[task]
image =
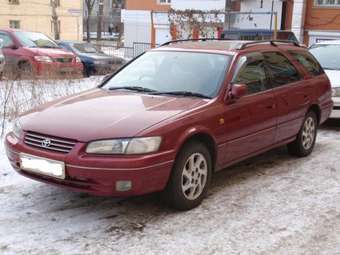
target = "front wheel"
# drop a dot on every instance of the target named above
(190, 177)
(305, 140)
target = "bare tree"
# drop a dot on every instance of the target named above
(227, 10)
(100, 19)
(89, 6)
(55, 19)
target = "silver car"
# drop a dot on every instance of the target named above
(328, 54)
(2, 61)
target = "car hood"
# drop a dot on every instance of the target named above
(334, 77)
(100, 114)
(57, 52)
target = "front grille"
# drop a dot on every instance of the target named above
(64, 60)
(49, 143)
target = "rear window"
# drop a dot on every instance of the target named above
(308, 61)
(282, 71)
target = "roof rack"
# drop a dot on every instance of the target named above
(193, 40)
(272, 42)
(240, 47)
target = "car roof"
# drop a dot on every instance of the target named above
(328, 42)
(223, 46)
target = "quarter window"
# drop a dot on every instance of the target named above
(281, 70)
(251, 72)
(308, 61)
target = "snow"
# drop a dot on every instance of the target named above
(270, 204)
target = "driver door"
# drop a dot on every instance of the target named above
(250, 122)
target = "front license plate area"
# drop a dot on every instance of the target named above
(43, 166)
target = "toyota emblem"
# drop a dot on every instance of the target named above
(46, 143)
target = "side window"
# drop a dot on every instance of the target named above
(6, 39)
(308, 61)
(282, 71)
(250, 71)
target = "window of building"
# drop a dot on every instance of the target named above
(15, 24)
(308, 61)
(327, 3)
(56, 2)
(164, 1)
(281, 70)
(13, 2)
(251, 72)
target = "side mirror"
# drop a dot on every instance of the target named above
(237, 91)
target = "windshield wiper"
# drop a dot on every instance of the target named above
(134, 88)
(182, 93)
(330, 68)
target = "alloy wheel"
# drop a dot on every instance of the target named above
(194, 176)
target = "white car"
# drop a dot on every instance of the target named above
(2, 61)
(328, 55)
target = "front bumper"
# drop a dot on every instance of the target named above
(98, 175)
(102, 69)
(59, 69)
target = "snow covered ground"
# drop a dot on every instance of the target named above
(271, 204)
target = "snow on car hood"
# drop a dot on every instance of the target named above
(334, 77)
(101, 114)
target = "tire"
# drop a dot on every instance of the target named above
(189, 180)
(305, 140)
(25, 71)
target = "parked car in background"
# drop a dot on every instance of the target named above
(95, 61)
(258, 35)
(328, 54)
(172, 117)
(2, 61)
(34, 55)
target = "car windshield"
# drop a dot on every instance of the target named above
(185, 73)
(328, 55)
(85, 48)
(35, 40)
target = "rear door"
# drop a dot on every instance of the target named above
(250, 122)
(293, 95)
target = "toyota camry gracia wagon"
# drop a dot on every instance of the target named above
(172, 117)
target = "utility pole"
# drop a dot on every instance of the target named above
(100, 19)
(55, 19)
(227, 10)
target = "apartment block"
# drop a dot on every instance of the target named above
(36, 15)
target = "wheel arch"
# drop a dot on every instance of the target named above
(316, 109)
(203, 136)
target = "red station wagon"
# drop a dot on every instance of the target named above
(172, 117)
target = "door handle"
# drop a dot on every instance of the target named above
(269, 107)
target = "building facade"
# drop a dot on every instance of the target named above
(36, 15)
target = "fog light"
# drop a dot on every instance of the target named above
(123, 185)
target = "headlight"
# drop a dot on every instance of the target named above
(125, 146)
(336, 92)
(45, 59)
(16, 128)
(78, 60)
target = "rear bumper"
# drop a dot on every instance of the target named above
(98, 175)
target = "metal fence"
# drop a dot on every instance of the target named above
(112, 49)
